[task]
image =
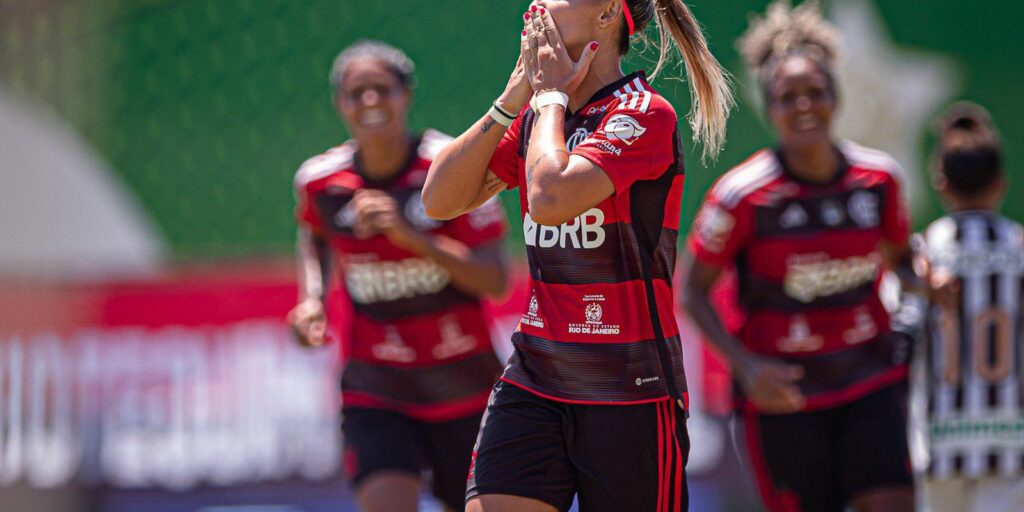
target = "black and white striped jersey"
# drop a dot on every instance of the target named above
(970, 387)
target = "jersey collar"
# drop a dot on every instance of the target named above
(844, 165)
(610, 89)
(414, 145)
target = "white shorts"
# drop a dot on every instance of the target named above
(970, 495)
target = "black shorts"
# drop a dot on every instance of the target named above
(821, 460)
(379, 440)
(613, 457)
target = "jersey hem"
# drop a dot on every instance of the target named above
(429, 413)
(686, 397)
(844, 396)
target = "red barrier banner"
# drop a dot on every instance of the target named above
(194, 379)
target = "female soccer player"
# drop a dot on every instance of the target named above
(419, 362)
(809, 226)
(970, 383)
(592, 400)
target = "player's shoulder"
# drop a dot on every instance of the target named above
(870, 160)
(637, 98)
(1010, 230)
(338, 159)
(941, 230)
(754, 173)
(431, 143)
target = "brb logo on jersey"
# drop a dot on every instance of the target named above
(624, 128)
(584, 232)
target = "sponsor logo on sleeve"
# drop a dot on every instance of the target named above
(624, 128)
(715, 225)
(609, 147)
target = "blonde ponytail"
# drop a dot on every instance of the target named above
(710, 86)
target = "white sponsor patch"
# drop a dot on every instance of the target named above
(531, 316)
(800, 338)
(382, 281)
(624, 128)
(592, 315)
(811, 276)
(715, 225)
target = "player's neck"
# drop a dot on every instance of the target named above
(604, 70)
(987, 200)
(383, 158)
(970, 205)
(818, 163)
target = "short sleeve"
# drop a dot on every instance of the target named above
(505, 161)
(719, 233)
(485, 224)
(895, 219)
(635, 140)
(306, 214)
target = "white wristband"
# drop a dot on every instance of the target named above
(544, 99)
(499, 117)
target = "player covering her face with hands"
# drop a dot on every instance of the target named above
(592, 402)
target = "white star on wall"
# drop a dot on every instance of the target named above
(889, 94)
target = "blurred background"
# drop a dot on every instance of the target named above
(147, 149)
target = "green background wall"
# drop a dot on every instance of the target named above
(206, 107)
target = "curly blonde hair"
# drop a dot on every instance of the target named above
(785, 31)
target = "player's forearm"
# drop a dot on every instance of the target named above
(480, 272)
(313, 265)
(901, 262)
(546, 160)
(697, 305)
(457, 175)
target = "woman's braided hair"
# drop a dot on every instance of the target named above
(786, 31)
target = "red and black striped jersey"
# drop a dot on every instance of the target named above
(809, 266)
(417, 344)
(599, 324)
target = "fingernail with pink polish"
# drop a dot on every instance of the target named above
(593, 46)
(533, 8)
